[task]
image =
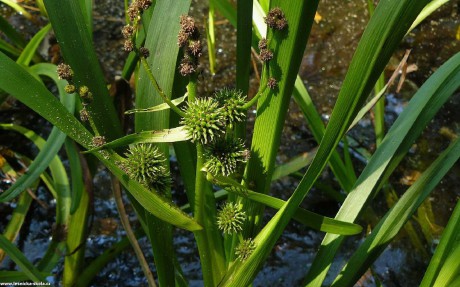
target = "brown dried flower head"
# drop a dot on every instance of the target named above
(128, 46)
(187, 25)
(272, 83)
(144, 4)
(266, 55)
(127, 31)
(194, 48)
(263, 44)
(187, 67)
(182, 39)
(275, 19)
(64, 72)
(133, 11)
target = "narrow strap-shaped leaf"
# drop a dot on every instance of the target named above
(421, 109)
(294, 164)
(77, 231)
(9, 49)
(159, 107)
(289, 46)
(243, 44)
(308, 218)
(40, 163)
(61, 187)
(11, 33)
(16, 221)
(18, 8)
(15, 80)
(76, 174)
(72, 33)
(450, 238)
(450, 270)
(32, 46)
(389, 226)
(16, 255)
(161, 136)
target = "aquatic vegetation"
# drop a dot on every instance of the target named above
(207, 136)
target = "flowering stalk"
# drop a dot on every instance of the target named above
(158, 89)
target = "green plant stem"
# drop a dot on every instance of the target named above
(191, 87)
(212, 274)
(129, 232)
(211, 38)
(158, 89)
(93, 126)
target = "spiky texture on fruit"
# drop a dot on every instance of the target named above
(224, 155)
(232, 102)
(230, 218)
(145, 164)
(203, 120)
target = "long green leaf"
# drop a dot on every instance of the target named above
(384, 32)
(272, 107)
(70, 26)
(316, 126)
(32, 46)
(11, 33)
(308, 218)
(161, 136)
(450, 238)
(421, 109)
(450, 269)
(18, 8)
(16, 255)
(294, 165)
(159, 107)
(390, 225)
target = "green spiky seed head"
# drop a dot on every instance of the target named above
(225, 155)
(232, 102)
(203, 120)
(145, 164)
(230, 218)
(245, 249)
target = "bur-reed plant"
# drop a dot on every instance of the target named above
(208, 137)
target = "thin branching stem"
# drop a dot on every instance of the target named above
(159, 90)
